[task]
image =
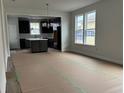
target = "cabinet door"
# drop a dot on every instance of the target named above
(34, 46)
(24, 26)
(43, 45)
(22, 44)
(59, 38)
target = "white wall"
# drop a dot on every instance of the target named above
(64, 16)
(109, 30)
(13, 31)
(3, 18)
(2, 51)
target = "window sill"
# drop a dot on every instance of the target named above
(85, 45)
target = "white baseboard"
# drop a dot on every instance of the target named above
(112, 60)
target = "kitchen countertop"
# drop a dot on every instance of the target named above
(35, 39)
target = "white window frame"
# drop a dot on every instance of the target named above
(84, 20)
(39, 28)
(89, 29)
(79, 29)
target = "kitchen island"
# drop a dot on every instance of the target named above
(37, 45)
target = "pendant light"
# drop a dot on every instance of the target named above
(47, 6)
(48, 23)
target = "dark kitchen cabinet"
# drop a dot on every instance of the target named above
(35, 45)
(59, 38)
(22, 44)
(38, 46)
(24, 26)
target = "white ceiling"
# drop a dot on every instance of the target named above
(59, 5)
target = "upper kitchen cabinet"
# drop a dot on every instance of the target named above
(24, 26)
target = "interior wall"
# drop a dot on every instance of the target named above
(4, 32)
(13, 33)
(64, 19)
(109, 31)
(2, 52)
(2, 63)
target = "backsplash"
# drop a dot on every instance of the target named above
(43, 35)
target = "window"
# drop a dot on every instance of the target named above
(90, 26)
(79, 29)
(35, 28)
(85, 29)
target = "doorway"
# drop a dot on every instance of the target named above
(20, 29)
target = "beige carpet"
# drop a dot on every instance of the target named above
(56, 72)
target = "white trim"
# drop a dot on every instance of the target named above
(112, 60)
